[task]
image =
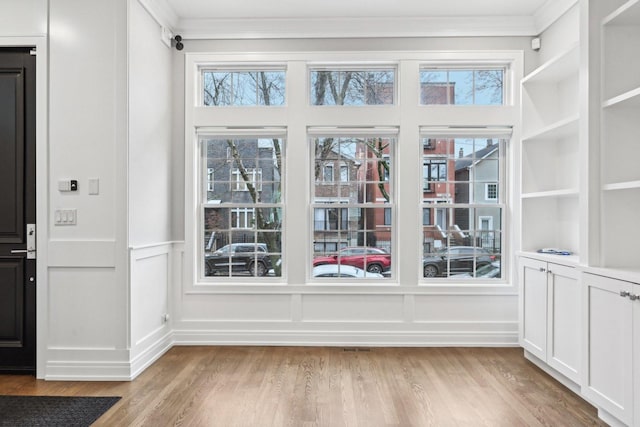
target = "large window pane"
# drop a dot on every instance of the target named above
(352, 87)
(352, 214)
(462, 209)
(241, 193)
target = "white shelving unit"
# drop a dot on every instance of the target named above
(620, 137)
(580, 190)
(550, 153)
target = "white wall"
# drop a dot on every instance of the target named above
(297, 314)
(150, 180)
(562, 34)
(19, 18)
(88, 266)
(150, 142)
(106, 279)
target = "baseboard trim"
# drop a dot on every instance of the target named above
(151, 354)
(107, 364)
(333, 338)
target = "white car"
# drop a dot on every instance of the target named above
(489, 271)
(341, 270)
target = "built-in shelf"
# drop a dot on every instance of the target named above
(628, 185)
(557, 68)
(627, 99)
(619, 147)
(569, 192)
(627, 14)
(559, 129)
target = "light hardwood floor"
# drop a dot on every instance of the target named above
(319, 386)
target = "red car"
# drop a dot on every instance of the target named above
(374, 260)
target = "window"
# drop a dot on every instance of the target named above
(331, 219)
(491, 191)
(352, 86)
(246, 179)
(477, 86)
(387, 216)
(462, 227)
(434, 170)
(209, 179)
(429, 143)
(426, 216)
(241, 205)
(242, 218)
(327, 173)
(362, 222)
(354, 150)
(243, 88)
(344, 173)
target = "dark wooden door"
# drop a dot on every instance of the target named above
(17, 211)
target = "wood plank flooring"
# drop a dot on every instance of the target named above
(326, 386)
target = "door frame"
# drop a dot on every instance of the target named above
(42, 185)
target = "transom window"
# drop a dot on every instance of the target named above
(352, 86)
(243, 87)
(459, 86)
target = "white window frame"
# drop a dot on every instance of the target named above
(502, 134)
(406, 114)
(330, 203)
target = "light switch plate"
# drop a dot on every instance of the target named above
(64, 185)
(65, 217)
(94, 186)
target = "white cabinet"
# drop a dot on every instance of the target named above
(611, 378)
(550, 326)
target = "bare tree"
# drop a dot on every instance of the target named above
(270, 221)
(490, 82)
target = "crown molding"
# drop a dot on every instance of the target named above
(161, 12)
(550, 12)
(356, 27)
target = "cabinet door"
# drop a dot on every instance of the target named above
(533, 325)
(607, 374)
(564, 321)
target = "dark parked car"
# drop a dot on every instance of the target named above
(456, 259)
(238, 257)
(374, 260)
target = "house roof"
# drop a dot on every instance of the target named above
(472, 159)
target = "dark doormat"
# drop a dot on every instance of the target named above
(17, 411)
